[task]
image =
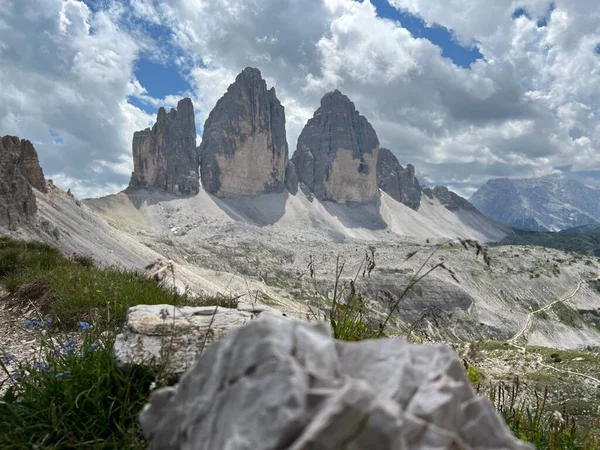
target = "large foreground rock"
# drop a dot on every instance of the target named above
(399, 183)
(176, 335)
(277, 385)
(336, 157)
(165, 157)
(19, 171)
(244, 149)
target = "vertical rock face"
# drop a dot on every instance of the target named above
(165, 157)
(19, 171)
(244, 149)
(337, 151)
(399, 183)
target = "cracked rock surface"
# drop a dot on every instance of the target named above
(280, 384)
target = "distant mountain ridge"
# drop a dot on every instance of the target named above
(548, 203)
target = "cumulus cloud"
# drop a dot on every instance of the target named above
(66, 73)
(531, 104)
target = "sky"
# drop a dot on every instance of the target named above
(465, 90)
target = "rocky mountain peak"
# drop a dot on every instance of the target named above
(244, 150)
(165, 157)
(548, 203)
(399, 183)
(451, 200)
(337, 151)
(19, 171)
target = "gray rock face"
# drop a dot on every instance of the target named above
(244, 149)
(291, 178)
(19, 171)
(449, 199)
(165, 157)
(288, 385)
(176, 335)
(336, 156)
(399, 183)
(539, 204)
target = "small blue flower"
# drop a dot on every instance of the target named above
(61, 375)
(92, 347)
(68, 346)
(36, 323)
(84, 326)
(48, 320)
(40, 366)
(27, 323)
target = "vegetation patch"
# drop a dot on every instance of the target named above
(568, 315)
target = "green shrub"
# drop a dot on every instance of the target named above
(73, 396)
(474, 375)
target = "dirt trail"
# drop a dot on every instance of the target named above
(529, 318)
(529, 322)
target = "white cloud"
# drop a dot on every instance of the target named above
(531, 104)
(69, 70)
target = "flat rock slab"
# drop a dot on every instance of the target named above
(176, 335)
(280, 384)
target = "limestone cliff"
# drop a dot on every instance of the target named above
(165, 157)
(19, 171)
(336, 156)
(399, 183)
(244, 148)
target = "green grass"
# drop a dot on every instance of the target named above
(540, 425)
(75, 398)
(75, 289)
(568, 315)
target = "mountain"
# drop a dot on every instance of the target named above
(399, 183)
(244, 150)
(548, 203)
(20, 173)
(259, 246)
(165, 157)
(336, 156)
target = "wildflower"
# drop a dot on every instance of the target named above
(48, 320)
(61, 375)
(39, 365)
(27, 323)
(92, 347)
(68, 343)
(35, 323)
(68, 346)
(83, 326)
